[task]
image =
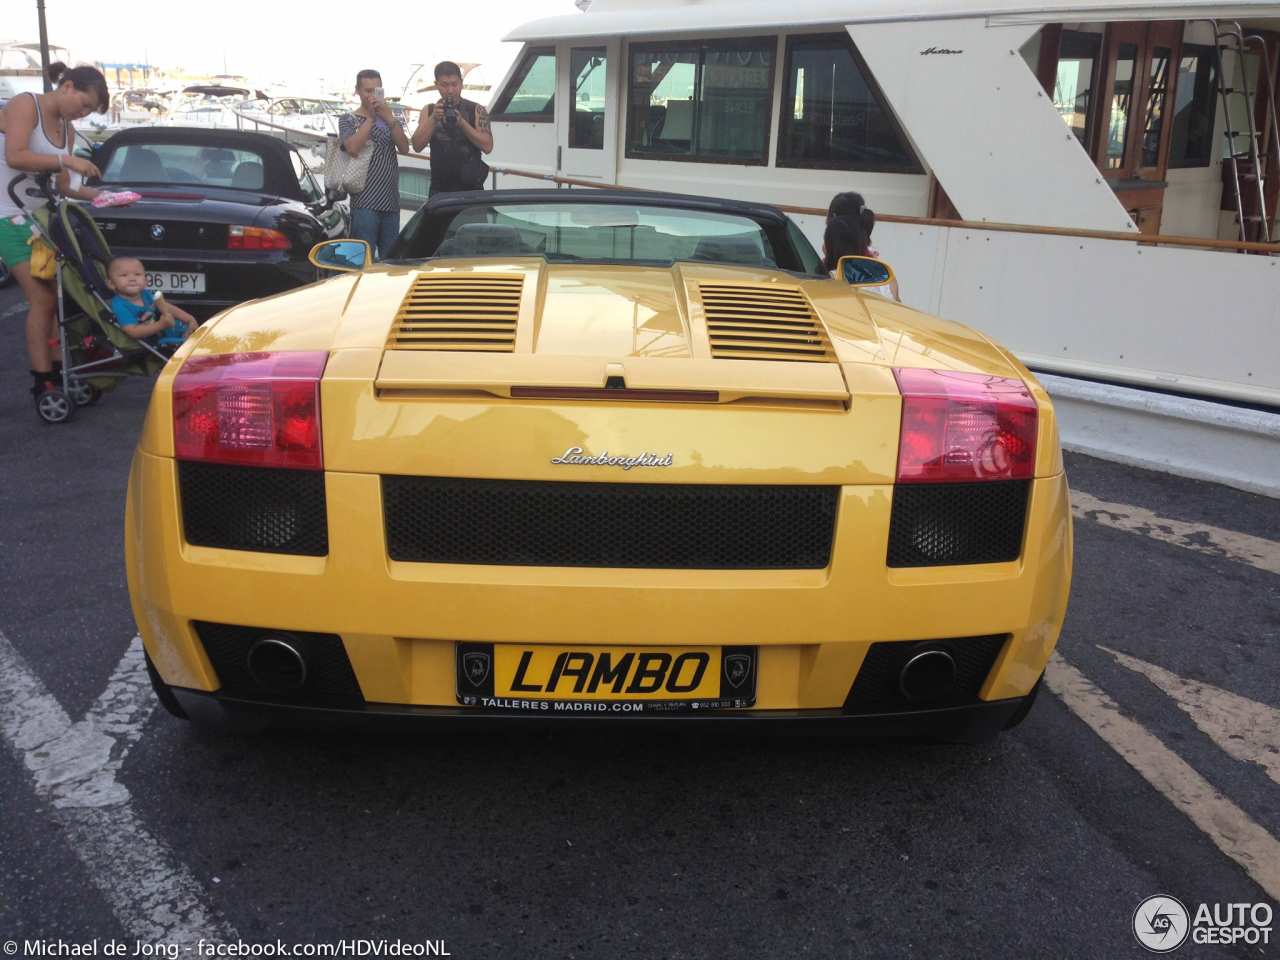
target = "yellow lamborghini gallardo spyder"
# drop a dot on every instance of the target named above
(616, 457)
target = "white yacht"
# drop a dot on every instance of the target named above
(1093, 182)
(210, 105)
(20, 70)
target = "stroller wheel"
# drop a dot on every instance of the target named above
(55, 406)
(85, 394)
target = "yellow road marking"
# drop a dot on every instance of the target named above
(1255, 551)
(1232, 830)
(1244, 728)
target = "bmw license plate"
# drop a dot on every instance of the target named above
(606, 680)
(175, 281)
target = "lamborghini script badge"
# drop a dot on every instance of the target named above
(574, 455)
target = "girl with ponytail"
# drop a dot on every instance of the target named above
(36, 136)
(852, 205)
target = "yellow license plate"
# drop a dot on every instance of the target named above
(578, 679)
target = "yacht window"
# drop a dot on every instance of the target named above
(1194, 107)
(1073, 87)
(705, 101)
(531, 94)
(1157, 90)
(832, 114)
(1121, 104)
(587, 68)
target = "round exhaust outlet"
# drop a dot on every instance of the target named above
(927, 674)
(277, 664)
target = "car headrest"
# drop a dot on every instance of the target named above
(482, 240)
(248, 175)
(143, 165)
(739, 251)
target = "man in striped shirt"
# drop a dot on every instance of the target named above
(375, 210)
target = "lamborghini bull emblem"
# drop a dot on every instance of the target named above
(737, 667)
(475, 667)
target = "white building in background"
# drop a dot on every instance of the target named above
(1090, 115)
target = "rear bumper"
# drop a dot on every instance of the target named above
(975, 722)
(399, 622)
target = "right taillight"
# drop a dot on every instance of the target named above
(964, 426)
(256, 238)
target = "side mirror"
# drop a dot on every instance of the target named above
(347, 255)
(333, 196)
(864, 271)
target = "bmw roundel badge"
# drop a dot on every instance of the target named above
(157, 231)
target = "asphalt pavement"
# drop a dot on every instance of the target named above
(598, 844)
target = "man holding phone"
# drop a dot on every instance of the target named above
(375, 210)
(458, 131)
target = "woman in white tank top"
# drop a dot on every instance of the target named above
(36, 135)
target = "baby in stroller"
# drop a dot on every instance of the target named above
(140, 313)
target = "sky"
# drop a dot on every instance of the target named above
(285, 40)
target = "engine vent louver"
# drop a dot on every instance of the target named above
(762, 321)
(459, 312)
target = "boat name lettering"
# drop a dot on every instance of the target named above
(925, 53)
(575, 456)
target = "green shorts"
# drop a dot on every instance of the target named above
(14, 240)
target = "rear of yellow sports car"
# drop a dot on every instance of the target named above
(518, 491)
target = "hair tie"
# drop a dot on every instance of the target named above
(863, 208)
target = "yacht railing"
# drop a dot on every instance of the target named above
(1146, 239)
(320, 137)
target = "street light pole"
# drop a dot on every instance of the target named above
(44, 46)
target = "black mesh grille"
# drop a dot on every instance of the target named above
(547, 523)
(938, 524)
(329, 673)
(877, 680)
(254, 508)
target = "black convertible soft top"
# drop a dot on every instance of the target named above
(278, 178)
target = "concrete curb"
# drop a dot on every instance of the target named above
(1179, 435)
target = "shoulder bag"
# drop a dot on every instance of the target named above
(345, 172)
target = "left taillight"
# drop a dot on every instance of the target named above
(259, 409)
(959, 427)
(256, 238)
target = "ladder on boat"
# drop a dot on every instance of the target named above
(1248, 165)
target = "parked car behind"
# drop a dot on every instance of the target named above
(225, 215)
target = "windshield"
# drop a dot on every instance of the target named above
(609, 233)
(185, 163)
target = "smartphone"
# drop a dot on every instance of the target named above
(379, 93)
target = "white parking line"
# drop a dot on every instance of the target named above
(74, 765)
(1255, 551)
(1244, 728)
(1232, 830)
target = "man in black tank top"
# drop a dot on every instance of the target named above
(458, 131)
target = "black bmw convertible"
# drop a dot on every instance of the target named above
(225, 215)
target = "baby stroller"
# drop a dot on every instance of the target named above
(96, 354)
